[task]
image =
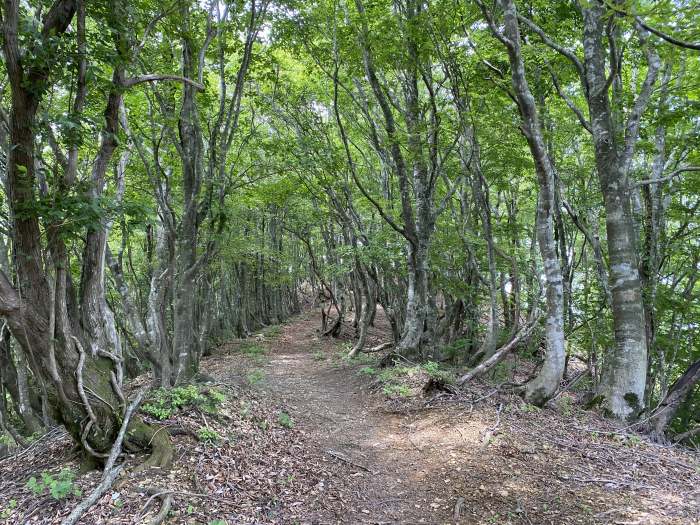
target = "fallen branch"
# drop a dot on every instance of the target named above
(577, 378)
(686, 435)
(502, 352)
(378, 348)
(339, 456)
(110, 471)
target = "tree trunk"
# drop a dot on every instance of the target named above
(663, 415)
(546, 383)
(624, 374)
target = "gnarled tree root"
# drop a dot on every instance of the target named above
(144, 436)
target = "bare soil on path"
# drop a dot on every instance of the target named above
(494, 461)
(304, 436)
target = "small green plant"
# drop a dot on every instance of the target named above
(285, 420)
(164, 403)
(60, 487)
(218, 522)
(245, 410)
(318, 356)
(273, 331)
(208, 435)
(253, 349)
(368, 371)
(456, 348)
(433, 370)
(394, 390)
(530, 409)
(255, 377)
(7, 511)
(566, 405)
(263, 424)
(633, 441)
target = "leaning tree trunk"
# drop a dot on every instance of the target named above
(664, 413)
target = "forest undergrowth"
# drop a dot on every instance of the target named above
(283, 428)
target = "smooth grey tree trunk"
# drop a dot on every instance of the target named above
(546, 383)
(624, 373)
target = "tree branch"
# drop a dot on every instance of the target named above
(129, 82)
(668, 178)
(554, 45)
(570, 103)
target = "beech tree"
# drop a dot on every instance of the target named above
(492, 178)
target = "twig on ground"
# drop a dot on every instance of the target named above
(490, 432)
(339, 456)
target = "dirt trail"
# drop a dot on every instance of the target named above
(331, 403)
(492, 462)
(352, 456)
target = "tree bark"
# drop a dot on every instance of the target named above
(624, 374)
(546, 383)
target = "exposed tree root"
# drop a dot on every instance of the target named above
(111, 471)
(146, 436)
(166, 497)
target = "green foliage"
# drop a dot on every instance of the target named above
(285, 420)
(6, 439)
(255, 377)
(164, 403)
(218, 522)
(400, 381)
(566, 405)
(6, 511)
(59, 486)
(208, 435)
(530, 409)
(396, 390)
(318, 356)
(456, 348)
(253, 349)
(434, 370)
(272, 331)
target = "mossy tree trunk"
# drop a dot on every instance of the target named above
(69, 345)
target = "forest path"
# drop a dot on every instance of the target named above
(483, 459)
(328, 399)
